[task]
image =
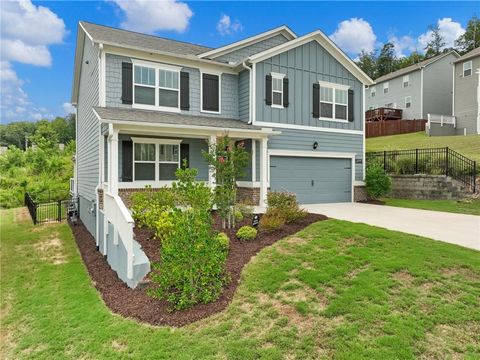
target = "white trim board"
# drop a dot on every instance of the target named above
(309, 128)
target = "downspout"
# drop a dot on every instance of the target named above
(250, 86)
(421, 92)
(453, 89)
(478, 102)
(101, 97)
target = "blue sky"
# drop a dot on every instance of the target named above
(38, 38)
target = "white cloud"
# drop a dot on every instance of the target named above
(26, 32)
(225, 26)
(449, 30)
(402, 44)
(354, 35)
(150, 16)
(68, 108)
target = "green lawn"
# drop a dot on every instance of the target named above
(468, 146)
(335, 290)
(471, 207)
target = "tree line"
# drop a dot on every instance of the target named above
(383, 61)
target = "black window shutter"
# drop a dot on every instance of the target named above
(184, 154)
(127, 160)
(350, 106)
(184, 90)
(268, 89)
(210, 92)
(285, 92)
(127, 82)
(316, 100)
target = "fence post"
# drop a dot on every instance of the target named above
(474, 176)
(59, 210)
(446, 161)
(385, 161)
(416, 161)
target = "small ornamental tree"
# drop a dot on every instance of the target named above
(377, 181)
(228, 159)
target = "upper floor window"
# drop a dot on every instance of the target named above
(333, 101)
(373, 91)
(408, 102)
(391, 105)
(210, 93)
(467, 68)
(406, 81)
(156, 86)
(277, 90)
(385, 88)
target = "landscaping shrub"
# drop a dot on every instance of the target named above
(148, 206)
(272, 220)
(163, 226)
(238, 216)
(190, 193)
(247, 233)
(245, 209)
(377, 181)
(224, 241)
(286, 204)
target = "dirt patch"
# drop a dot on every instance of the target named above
(404, 277)
(21, 215)
(118, 346)
(354, 273)
(466, 273)
(51, 250)
(135, 303)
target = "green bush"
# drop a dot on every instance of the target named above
(286, 204)
(245, 209)
(377, 182)
(272, 220)
(246, 233)
(191, 193)
(148, 206)
(164, 225)
(223, 240)
(238, 216)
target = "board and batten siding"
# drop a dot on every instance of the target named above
(244, 95)
(302, 140)
(229, 89)
(305, 65)
(243, 53)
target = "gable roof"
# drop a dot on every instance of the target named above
(413, 67)
(124, 38)
(326, 43)
(471, 54)
(282, 30)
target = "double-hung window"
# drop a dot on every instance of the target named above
(155, 159)
(373, 91)
(406, 81)
(467, 68)
(385, 88)
(333, 101)
(156, 86)
(408, 102)
(277, 90)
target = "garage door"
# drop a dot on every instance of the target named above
(314, 180)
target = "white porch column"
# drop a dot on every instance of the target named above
(211, 170)
(263, 171)
(254, 158)
(113, 162)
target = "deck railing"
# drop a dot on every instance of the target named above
(383, 113)
(430, 161)
(442, 119)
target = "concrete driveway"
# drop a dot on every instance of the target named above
(459, 229)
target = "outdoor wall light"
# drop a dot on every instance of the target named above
(315, 145)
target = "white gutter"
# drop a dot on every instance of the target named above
(250, 83)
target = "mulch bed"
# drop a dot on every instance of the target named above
(373, 202)
(136, 304)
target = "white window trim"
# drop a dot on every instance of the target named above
(471, 68)
(408, 97)
(157, 86)
(386, 86)
(277, 76)
(406, 80)
(334, 87)
(157, 142)
(373, 91)
(219, 74)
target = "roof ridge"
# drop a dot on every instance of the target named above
(144, 34)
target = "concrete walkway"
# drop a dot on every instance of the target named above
(463, 230)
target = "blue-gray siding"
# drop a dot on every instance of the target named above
(313, 180)
(335, 142)
(305, 65)
(244, 95)
(87, 213)
(243, 53)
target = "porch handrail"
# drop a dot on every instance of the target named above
(442, 119)
(118, 215)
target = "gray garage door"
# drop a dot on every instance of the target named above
(314, 180)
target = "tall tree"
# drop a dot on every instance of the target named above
(367, 62)
(471, 38)
(16, 133)
(386, 61)
(435, 45)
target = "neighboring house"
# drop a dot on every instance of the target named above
(466, 92)
(419, 89)
(144, 103)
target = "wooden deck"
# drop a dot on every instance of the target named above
(383, 114)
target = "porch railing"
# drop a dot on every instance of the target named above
(442, 120)
(430, 161)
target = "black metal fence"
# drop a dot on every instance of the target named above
(52, 211)
(430, 161)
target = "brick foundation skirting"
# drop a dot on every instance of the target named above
(359, 193)
(100, 199)
(248, 195)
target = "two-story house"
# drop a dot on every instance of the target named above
(145, 103)
(466, 92)
(419, 89)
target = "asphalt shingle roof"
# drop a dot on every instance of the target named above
(160, 117)
(124, 38)
(470, 54)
